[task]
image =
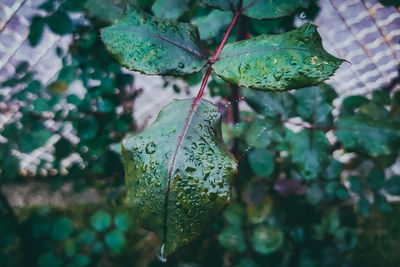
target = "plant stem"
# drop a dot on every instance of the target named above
(241, 34)
(215, 58)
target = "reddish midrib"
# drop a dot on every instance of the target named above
(192, 110)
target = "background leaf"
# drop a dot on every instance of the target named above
(267, 9)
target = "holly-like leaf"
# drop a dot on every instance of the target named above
(267, 9)
(213, 23)
(169, 9)
(369, 131)
(310, 152)
(225, 5)
(154, 46)
(178, 172)
(277, 62)
(270, 104)
(314, 104)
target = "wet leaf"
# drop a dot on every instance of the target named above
(277, 62)
(169, 9)
(154, 46)
(178, 172)
(267, 9)
(213, 24)
(225, 5)
(310, 152)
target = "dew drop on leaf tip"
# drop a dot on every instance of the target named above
(160, 254)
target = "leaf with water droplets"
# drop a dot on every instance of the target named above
(225, 5)
(277, 62)
(152, 45)
(267, 9)
(178, 172)
(310, 152)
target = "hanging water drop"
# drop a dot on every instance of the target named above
(150, 148)
(160, 254)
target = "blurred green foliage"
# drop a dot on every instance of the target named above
(294, 203)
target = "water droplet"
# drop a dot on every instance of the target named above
(181, 65)
(150, 148)
(160, 254)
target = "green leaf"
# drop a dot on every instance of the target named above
(334, 169)
(376, 179)
(87, 127)
(213, 24)
(154, 46)
(261, 162)
(314, 104)
(73, 5)
(232, 238)
(364, 207)
(261, 133)
(33, 140)
(169, 9)
(381, 203)
(106, 10)
(270, 104)
(101, 220)
(62, 229)
(225, 5)
(87, 237)
(267, 9)
(115, 240)
(351, 103)
(277, 62)
(381, 98)
(123, 221)
(374, 135)
(310, 152)
(36, 30)
(60, 23)
(266, 240)
(392, 186)
(49, 260)
(346, 238)
(105, 105)
(178, 172)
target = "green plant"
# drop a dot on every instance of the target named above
(178, 171)
(298, 198)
